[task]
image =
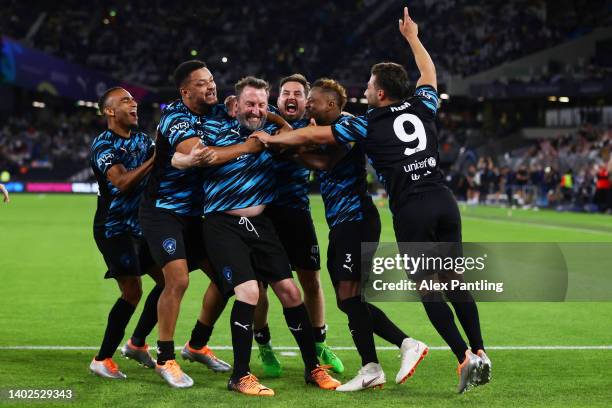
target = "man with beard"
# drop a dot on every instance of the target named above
(399, 135)
(121, 159)
(290, 214)
(170, 214)
(243, 246)
(353, 218)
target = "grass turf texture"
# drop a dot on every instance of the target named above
(53, 294)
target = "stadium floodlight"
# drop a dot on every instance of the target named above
(563, 99)
(353, 100)
(552, 99)
(106, 21)
(38, 104)
(444, 96)
(80, 103)
(194, 53)
(363, 100)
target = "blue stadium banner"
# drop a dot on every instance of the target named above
(29, 68)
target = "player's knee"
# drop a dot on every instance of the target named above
(288, 293)
(177, 284)
(247, 292)
(311, 286)
(131, 292)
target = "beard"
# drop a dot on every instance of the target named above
(251, 124)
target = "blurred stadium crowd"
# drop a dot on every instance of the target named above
(142, 41)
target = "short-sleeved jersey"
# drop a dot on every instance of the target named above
(169, 188)
(243, 182)
(344, 187)
(292, 179)
(117, 212)
(401, 141)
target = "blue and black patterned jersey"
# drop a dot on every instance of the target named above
(244, 182)
(169, 188)
(344, 187)
(117, 212)
(292, 179)
(401, 141)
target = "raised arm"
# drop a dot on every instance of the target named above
(410, 31)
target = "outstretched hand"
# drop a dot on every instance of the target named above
(263, 137)
(407, 27)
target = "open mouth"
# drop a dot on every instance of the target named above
(134, 114)
(212, 94)
(291, 107)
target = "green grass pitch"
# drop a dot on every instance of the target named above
(53, 294)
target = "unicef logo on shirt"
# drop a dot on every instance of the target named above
(431, 162)
(169, 245)
(227, 273)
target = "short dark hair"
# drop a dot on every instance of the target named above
(333, 87)
(182, 72)
(299, 78)
(104, 98)
(253, 82)
(391, 78)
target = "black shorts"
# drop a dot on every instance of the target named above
(124, 255)
(172, 236)
(428, 217)
(242, 249)
(297, 234)
(344, 253)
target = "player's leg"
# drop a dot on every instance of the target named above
(466, 310)
(165, 235)
(230, 257)
(136, 347)
(298, 323)
(271, 262)
(271, 364)
(121, 258)
(416, 222)
(213, 304)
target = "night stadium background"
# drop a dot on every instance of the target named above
(525, 133)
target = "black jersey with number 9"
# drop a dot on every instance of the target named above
(401, 141)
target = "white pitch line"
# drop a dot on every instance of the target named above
(287, 348)
(554, 227)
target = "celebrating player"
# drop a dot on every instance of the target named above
(243, 246)
(424, 210)
(290, 214)
(171, 211)
(353, 219)
(121, 160)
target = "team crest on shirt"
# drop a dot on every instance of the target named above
(126, 260)
(169, 245)
(227, 274)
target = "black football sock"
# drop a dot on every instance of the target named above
(320, 333)
(148, 317)
(467, 313)
(360, 324)
(200, 335)
(118, 319)
(241, 322)
(165, 351)
(385, 328)
(441, 317)
(299, 325)
(262, 336)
